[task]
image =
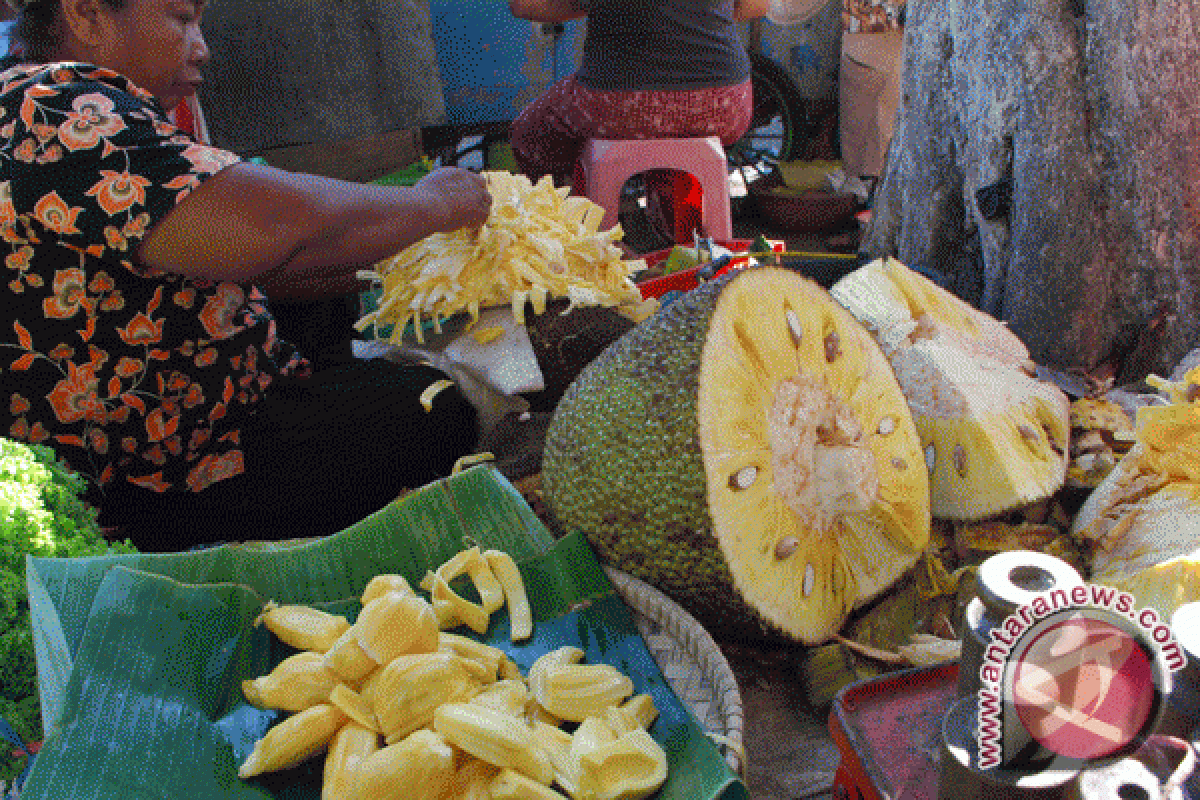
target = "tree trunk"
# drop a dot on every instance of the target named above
(1088, 110)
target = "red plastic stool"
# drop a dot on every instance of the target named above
(606, 164)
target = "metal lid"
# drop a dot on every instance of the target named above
(1014, 578)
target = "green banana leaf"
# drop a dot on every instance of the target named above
(141, 657)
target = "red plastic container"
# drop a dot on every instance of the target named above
(686, 279)
(888, 730)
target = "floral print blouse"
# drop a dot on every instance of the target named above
(129, 373)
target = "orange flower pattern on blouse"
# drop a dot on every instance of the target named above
(130, 374)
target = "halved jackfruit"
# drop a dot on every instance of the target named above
(748, 451)
(1143, 521)
(995, 438)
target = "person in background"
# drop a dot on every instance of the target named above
(8, 17)
(650, 69)
(141, 268)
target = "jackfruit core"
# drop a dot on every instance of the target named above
(822, 466)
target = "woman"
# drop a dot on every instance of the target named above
(650, 69)
(139, 341)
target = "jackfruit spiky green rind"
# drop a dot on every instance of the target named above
(621, 460)
(624, 461)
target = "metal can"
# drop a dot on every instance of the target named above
(1182, 715)
(1006, 582)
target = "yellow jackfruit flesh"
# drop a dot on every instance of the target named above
(641, 707)
(748, 451)
(558, 657)
(472, 780)
(418, 767)
(382, 584)
(298, 682)
(556, 743)
(303, 627)
(538, 242)
(472, 562)
(293, 741)
(1101, 432)
(520, 615)
(994, 437)
(348, 660)
(354, 706)
(574, 692)
(630, 767)
(495, 737)
(396, 624)
(490, 738)
(490, 658)
(452, 609)
(351, 744)
(1143, 521)
(410, 689)
(512, 785)
(509, 696)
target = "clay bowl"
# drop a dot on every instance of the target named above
(801, 210)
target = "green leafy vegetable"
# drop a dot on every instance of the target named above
(41, 514)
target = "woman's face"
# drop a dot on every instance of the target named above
(158, 45)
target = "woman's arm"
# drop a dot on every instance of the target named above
(548, 10)
(303, 236)
(749, 9)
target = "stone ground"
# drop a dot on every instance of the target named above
(788, 746)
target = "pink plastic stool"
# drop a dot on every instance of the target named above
(606, 164)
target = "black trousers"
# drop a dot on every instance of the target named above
(321, 453)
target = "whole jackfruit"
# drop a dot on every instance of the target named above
(995, 438)
(748, 451)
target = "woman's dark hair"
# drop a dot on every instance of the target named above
(38, 29)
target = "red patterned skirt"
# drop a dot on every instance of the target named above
(548, 135)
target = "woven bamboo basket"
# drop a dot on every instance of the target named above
(691, 662)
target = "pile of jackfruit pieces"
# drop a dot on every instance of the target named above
(455, 716)
(539, 242)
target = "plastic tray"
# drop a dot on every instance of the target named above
(687, 279)
(888, 730)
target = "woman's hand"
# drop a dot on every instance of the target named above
(457, 198)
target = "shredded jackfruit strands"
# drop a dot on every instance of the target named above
(1166, 456)
(1170, 435)
(432, 391)
(537, 243)
(470, 461)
